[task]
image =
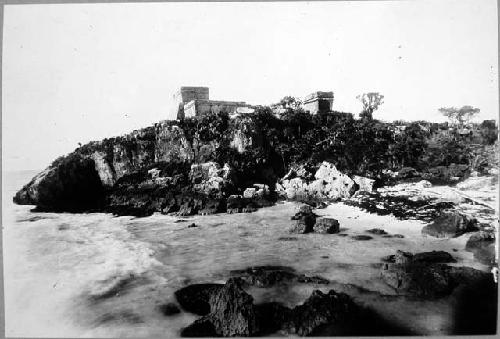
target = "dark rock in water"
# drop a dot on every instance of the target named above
(361, 237)
(433, 257)
(450, 224)
(70, 184)
(419, 279)
(326, 226)
(312, 280)
(425, 275)
(304, 224)
(378, 231)
(271, 316)
(342, 235)
(332, 313)
(398, 236)
(196, 298)
(232, 313)
(288, 239)
(169, 309)
(192, 225)
(406, 258)
(267, 276)
(202, 327)
(482, 244)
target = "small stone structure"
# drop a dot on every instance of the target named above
(194, 101)
(318, 102)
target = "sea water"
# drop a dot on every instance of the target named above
(97, 275)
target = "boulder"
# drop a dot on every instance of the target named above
(304, 224)
(332, 312)
(232, 313)
(482, 244)
(196, 298)
(328, 184)
(365, 184)
(326, 226)
(426, 274)
(450, 224)
(208, 178)
(424, 280)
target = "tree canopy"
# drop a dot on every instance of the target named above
(459, 116)
(371, 102)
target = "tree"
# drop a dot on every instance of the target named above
(459, 116)
(371, 102)
(289, 102)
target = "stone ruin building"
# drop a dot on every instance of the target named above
(194, 101)
(318, 102)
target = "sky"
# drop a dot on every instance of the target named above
(79, 72)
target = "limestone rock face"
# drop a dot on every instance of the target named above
(244, 134)
(69, 184)
(365, 184)
(104, 169)
(172, 144)
(208, 178)
(450, 224)
(328, 184)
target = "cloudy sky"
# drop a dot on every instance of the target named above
(81, 72)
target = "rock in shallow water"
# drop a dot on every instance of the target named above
(426, 275)
(326, 226)
(195, 298)
(232, 313)
(449, 225)
(482, 244)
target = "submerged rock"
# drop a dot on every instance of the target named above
(361, 237)
(267, 276)
(378, 231)
(450, 224)
(169, 309)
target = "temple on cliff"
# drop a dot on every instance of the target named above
(194, 101)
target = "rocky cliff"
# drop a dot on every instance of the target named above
(206, 164)
(173, 166)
